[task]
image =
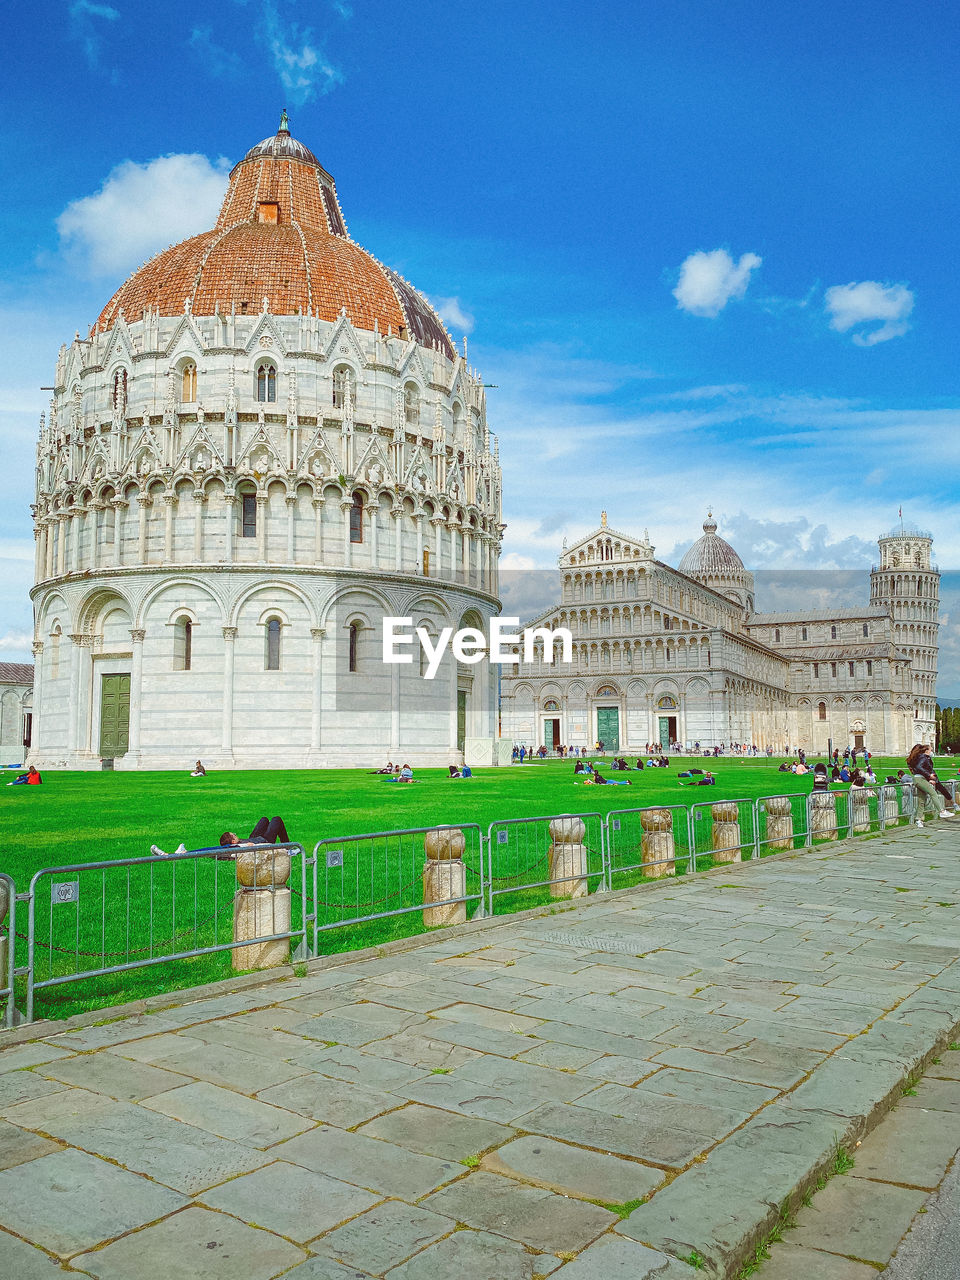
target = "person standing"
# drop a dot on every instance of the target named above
(920, 764)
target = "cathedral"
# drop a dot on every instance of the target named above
(267, 443)
(666, 656)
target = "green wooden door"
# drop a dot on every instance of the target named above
(608, 728)
(461, 718)
(114, 715)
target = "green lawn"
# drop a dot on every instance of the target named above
(88, 817)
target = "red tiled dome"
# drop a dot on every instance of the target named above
(280, 236)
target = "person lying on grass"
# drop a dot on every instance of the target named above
(266, 831)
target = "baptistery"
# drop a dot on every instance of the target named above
(267, 444)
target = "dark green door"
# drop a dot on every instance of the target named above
(461, 718)
(668, 731)
(608, 727)
(114, 715)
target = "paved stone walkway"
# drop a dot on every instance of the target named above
(494, 1105)
(877, 1211)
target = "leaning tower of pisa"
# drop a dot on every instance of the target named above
(907, 583)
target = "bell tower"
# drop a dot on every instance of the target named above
(907, 582)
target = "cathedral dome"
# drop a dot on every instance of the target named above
(710, 554)
(280, 244)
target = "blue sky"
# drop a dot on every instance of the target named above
(707, 252)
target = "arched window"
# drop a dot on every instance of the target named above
(248, 515)
(267, 384)
(822, 710)
(182, 644)
(411, 404)
(776, 635)
(343, 387)
(353, 645)
(273, 645)
(833, 633)
(356, 519)
(188, 383)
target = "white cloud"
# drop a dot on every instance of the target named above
(219, 61)
(303, 70)
(82, 15)
(865, 303)
(15, 642)
(709, 280)
(140, 209)
(453, 313)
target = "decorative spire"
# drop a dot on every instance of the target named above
(603, 519)
(284, 122)
(709, 525)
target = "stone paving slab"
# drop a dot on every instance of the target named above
(573, 1171)
(290, 1200)
(858, 1217)
(794, 1262)
(22, 1261)
(726, 1031)
(367, 1162)
(385, 1236)
(192, 1244)
(70, 1201)
(228, 1114)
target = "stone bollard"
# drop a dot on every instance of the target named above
(779, 822)
(859, 802)
(444, 877)
(823, 815)
(568, 858)
(657, 846)
(4, 941)
(726, 832)
(889, 806)
(261, 907)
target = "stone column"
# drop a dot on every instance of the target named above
(137, 635)
(889, 806)
(397, 513)
(169, 501)
(119, 506)
(823, 815)
(316, 713)
(290, 500)
(262, 528)
(318, 505)
(568, 858)
(37, 648)
(726, 831)
(345, 506)
(261, 907)
(444, 877)
(779, 822)
(437, 522)
(73, 709)
(199, 498)
(143, 502)
(858, 798)
(418, 521)
(229, 640)
(229, 511)
(61, 558)
(657, 844)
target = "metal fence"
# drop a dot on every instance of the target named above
(723, 830)
(650, 842)
(563, 854)
(781, 822)
(86, 920)
(8, 946)
(361, 878)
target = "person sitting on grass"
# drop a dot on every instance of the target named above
(31, 778)
(464, 772)
(405, 774)
(689, 773)
(198, 770)
(388, 769)
(580, 767)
